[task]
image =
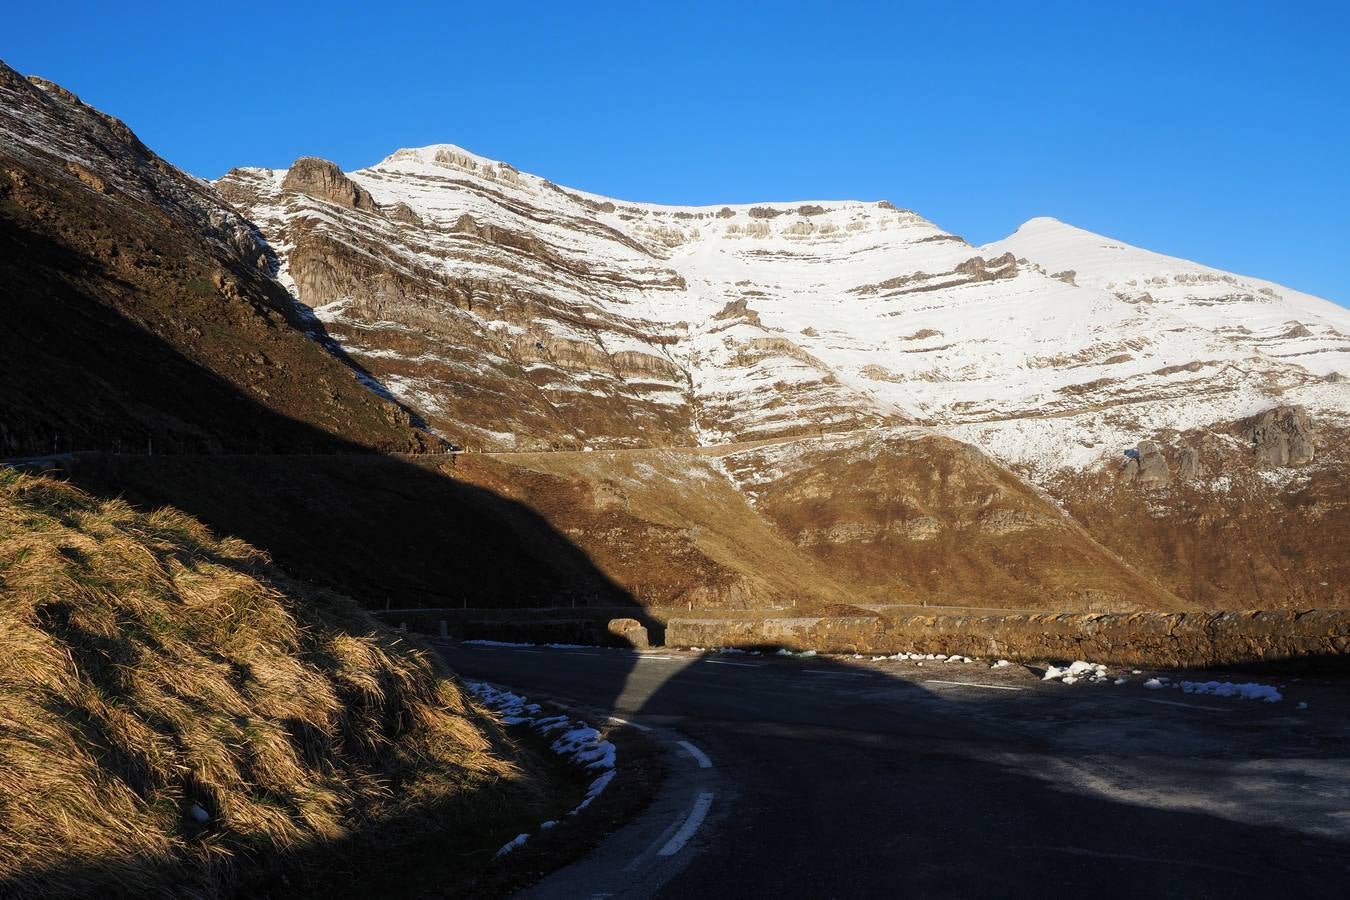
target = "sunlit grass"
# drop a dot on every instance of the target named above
(153, 676)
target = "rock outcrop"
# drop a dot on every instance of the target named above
(1281, 436)
(402, 212)
(1188, 465)
(1147, 466)
(323, 180)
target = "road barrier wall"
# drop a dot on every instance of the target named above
(1171, 640)
(1181, 640)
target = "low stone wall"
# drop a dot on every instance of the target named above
(1168, 640)
(532, 626)
(1173, 640)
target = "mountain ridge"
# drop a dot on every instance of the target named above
(677, 285)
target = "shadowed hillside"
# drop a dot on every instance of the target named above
(139, 311)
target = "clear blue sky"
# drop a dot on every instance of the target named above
(1218, 131)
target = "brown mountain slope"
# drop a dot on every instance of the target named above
(666, 525)
(138, 309)
(1240, 533)
(881, 518)
(906, 517)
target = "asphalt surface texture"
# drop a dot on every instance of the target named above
(845, 777)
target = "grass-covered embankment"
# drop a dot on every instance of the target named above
(178, 718)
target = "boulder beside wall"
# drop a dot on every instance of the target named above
(630, 632)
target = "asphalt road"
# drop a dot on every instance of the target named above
(843, 778)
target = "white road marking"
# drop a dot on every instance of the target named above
(1186, 705)
(832, 672)
(992, 687)
(691, 825)
(629, 724)
(697, 754)
(727, 662)
(645, 657)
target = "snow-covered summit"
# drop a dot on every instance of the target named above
(1274, 320)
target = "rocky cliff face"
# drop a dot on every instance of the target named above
(519, 314)
(323, 180)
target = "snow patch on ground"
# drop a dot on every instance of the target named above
(573, 740)
(1250, 690)
(1247, 691)
(1076, 671)
(935, 657)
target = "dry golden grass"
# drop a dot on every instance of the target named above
(151, 673)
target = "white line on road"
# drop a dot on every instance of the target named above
(1186, 705)
(697, 754)
(629, 724)
(727, 662)
(644, 657)
(691, 824)
(832, 672)
(992, 687)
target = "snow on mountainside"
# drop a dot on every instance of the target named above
(515, 313)
(1261, 315)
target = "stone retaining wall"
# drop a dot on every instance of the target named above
(1169, 640)
(1181, 640)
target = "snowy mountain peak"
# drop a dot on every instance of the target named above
(516, 313)
(1268, 318)
(1038, 224)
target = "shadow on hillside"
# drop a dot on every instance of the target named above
(384, 530)
(79, 375)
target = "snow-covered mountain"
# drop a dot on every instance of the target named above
(514, 314)
(518, 314)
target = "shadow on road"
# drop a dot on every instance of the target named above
(847, 781)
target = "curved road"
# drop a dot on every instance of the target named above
(843, 778)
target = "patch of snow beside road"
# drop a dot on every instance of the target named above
(1247, 691)
(1075, 672)
(575, 741)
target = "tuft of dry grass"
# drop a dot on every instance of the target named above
(176, 714)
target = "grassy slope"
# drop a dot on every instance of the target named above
(147, 667)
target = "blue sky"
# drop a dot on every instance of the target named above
(1215, 131)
